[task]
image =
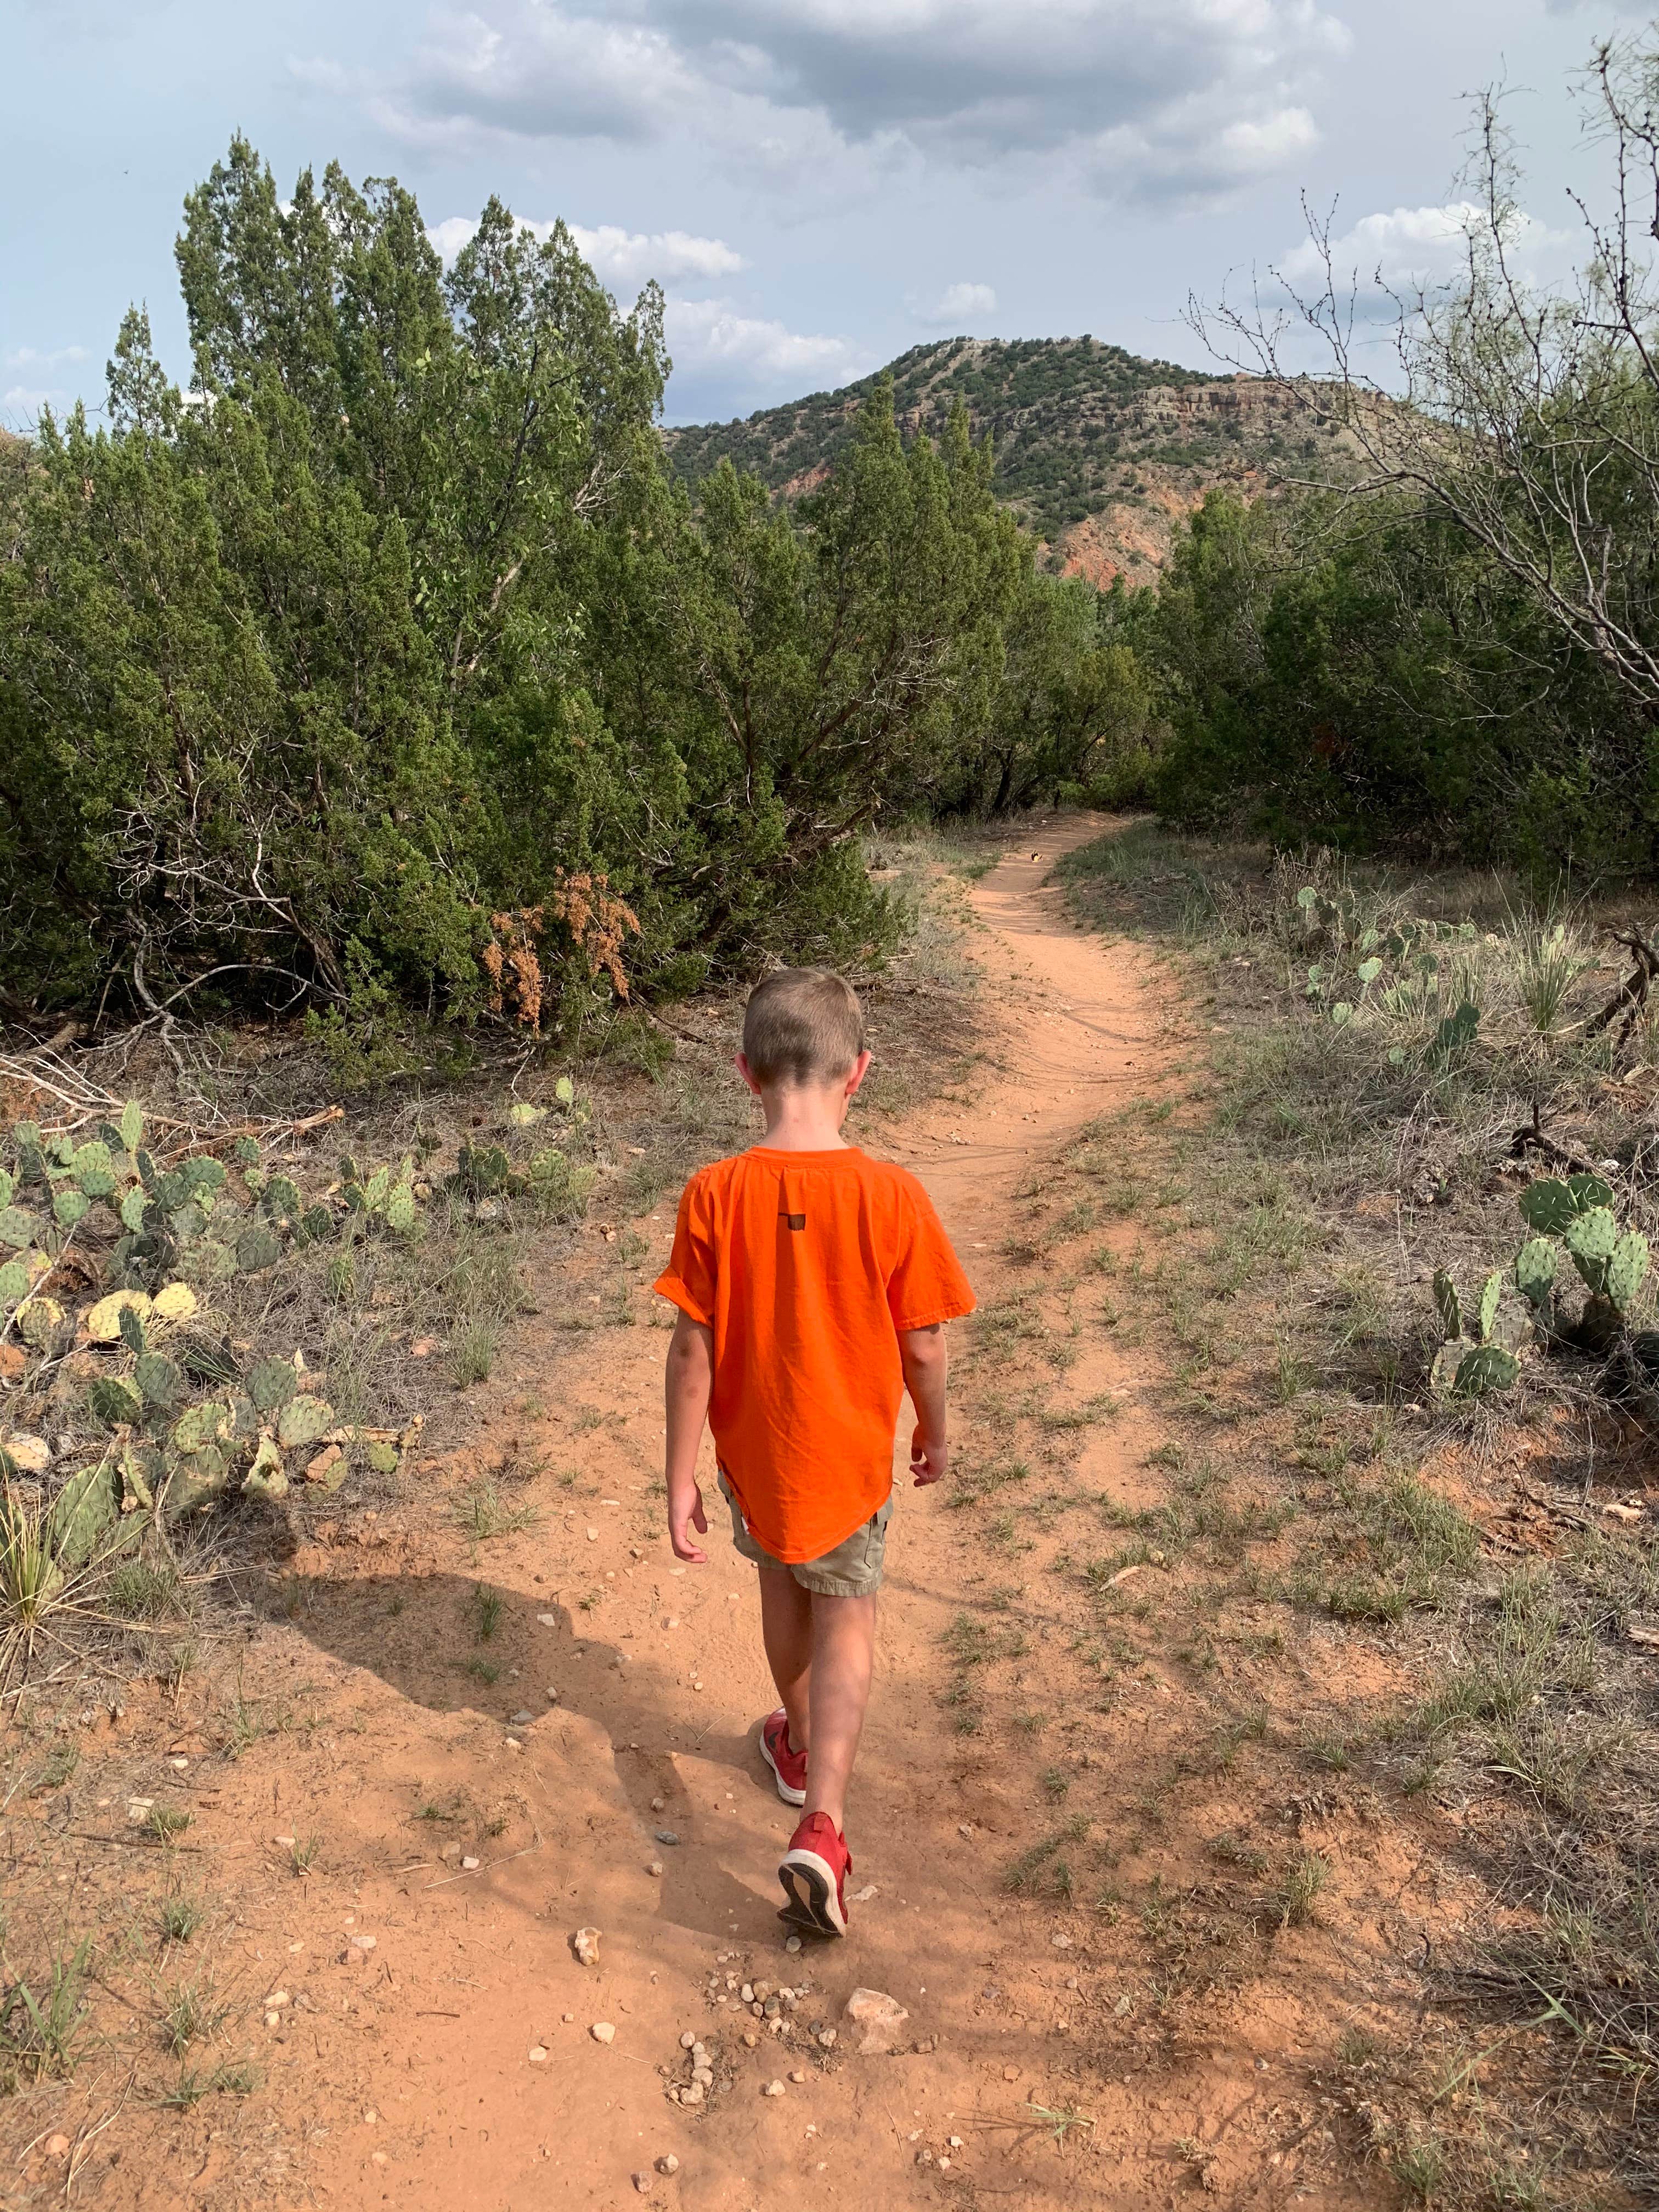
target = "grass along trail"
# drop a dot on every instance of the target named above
(494, 1715)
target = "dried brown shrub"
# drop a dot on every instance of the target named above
(598, 921)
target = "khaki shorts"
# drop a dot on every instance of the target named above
(852, 1569)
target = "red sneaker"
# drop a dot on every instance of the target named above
(813, 1872)
(787, 1765)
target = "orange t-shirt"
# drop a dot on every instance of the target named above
(806, 1265)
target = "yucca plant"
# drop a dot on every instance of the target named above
(32, 1582)
(1548, 965)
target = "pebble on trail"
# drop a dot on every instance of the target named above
(602, 2031)
(586, 1945)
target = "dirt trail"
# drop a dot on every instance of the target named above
(449, 2061)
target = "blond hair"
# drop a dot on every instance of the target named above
(802, 1025)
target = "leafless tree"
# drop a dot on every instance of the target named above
(1525, 412)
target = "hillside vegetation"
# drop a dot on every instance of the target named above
(1102, 454)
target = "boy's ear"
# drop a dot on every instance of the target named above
(860, 1069)
(748, 1074)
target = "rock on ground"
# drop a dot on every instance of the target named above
(878, 2019)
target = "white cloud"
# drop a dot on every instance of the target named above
(958, 304)
(449, 236)
(1183, 98)
(627, 259)
(707, 336)
(33, 357)
(625, 256)
(1404, 249)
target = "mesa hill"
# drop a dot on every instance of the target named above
(1100, 453)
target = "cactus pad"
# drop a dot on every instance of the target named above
(1491, 1290)
(1548, 1207)
(142, 1470)
(267, 1477)
(257, 1248)
(1591, 1239)
(482, 1169)
(304, 1421)
(39, 1320)
(400, 1209)
(246, 1152)
(112, 1402)
(103, 1320)
(132, 1124)
(82, 1514)
(281, 1199)
(313, 1225)
(1627, 1269)
(13, 1283)
(1535, 1264)
(1446, 1305)
(1443, 1372)
(1588, 1190)
(17, 1227)
(70, 1206)
(174, 1302)
(271, 1384)
(130, 1322)
(203, 1428)
(1487, 1368)
(160, 1380)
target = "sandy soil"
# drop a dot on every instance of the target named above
(421, 2026)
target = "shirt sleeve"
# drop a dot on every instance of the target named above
(927, 1285)
(689, 1279)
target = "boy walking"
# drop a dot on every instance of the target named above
(813, 1284)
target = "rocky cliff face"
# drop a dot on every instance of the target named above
(1101, 453)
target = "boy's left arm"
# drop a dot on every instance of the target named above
(927, 1366)
(688, 1383)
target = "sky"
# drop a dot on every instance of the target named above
(819, 185)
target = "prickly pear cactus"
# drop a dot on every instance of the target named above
(1446, 1305)
(1491, 1292)
(161, 1381)
(1486, 1369)
(17, 1227)
(1535, 1264)
(82, 1514)
(114, 1402)
(256, 1250)
(1591, 1239)
(304, 1421)
(271, 1384)
(281, 1202)
(1548, 1207)
(1627, 1269)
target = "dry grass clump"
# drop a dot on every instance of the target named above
(1389, 1063)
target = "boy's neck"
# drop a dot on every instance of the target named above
(805, 1118)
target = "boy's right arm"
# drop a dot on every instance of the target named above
(687, 1384)
(921, 1350)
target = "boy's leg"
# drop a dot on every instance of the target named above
(841, 1662)
(787, 1632)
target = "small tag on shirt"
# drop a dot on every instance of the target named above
(790, 1199)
